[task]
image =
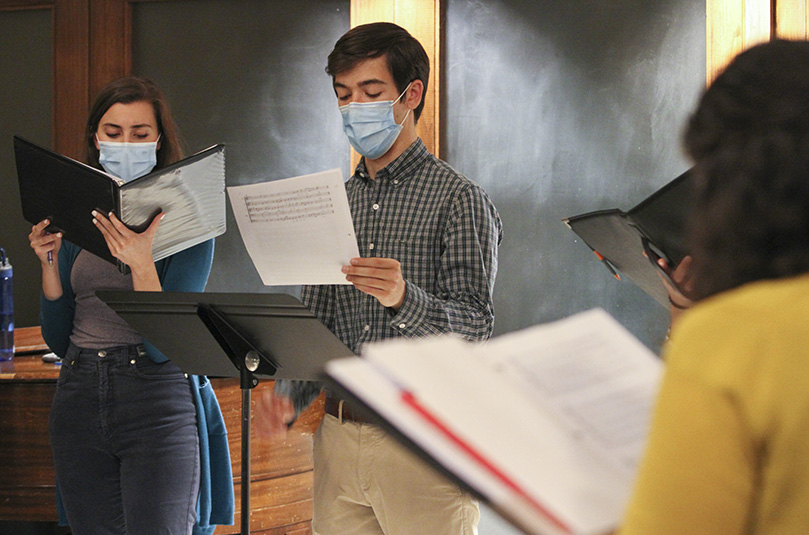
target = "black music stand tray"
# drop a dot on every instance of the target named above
(232, 335)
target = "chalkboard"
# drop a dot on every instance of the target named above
(250, 75)
(558, 108)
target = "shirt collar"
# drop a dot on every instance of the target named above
(399, 170)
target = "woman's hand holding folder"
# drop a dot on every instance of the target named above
(132, 248)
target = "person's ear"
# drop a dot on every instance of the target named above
(95, 142)
(414, 94)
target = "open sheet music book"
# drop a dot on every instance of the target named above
(546, 424)
(191, 192)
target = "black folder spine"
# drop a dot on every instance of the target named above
(123, 268)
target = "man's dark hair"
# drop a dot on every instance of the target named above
(405, 56)
(749, 139)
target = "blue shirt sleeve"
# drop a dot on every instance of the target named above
(186, 271)
(56, 317)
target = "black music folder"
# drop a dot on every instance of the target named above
(632, 241)
(191, 192)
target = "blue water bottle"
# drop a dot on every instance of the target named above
(6, 308)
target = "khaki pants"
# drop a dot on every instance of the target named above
(367, 483)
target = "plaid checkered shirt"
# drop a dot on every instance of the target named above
(444, 231)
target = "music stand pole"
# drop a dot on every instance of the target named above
(247, 358)
(247, 382)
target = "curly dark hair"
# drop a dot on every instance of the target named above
(136, 89)
(749, 139)
(405, 56)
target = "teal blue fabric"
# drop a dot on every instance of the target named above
(186, 271)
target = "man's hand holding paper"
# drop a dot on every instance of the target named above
(380, 277)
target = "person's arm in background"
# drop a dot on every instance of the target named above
(277, 410)
(188, 270)
(58, 308)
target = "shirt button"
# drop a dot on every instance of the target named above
(396, 181)
(402, 325)
(376, 206)
(102, 353)
(132, 361)
(370, 246)
(366, 328)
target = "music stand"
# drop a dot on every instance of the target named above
(232, 335)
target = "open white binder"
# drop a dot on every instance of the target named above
(546, 424)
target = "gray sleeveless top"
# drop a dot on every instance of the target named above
(95, 325)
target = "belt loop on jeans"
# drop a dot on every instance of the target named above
(72, 354)
(343, 411)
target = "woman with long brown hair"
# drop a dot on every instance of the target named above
(133, 438)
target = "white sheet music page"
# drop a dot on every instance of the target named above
(297, 230)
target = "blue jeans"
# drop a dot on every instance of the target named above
(123, 430)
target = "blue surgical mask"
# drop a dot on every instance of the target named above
(370, 126)
(127, 161)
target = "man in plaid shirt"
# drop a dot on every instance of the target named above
(428, 238)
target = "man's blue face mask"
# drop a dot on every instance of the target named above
(127, 161)
(371, 127)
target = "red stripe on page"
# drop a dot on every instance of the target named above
(410, 400)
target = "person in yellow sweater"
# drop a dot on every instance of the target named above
(728, 450)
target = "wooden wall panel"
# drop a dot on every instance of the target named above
(110, 42)
(422, 20)
(27, 486)
(733, 26)
(791, 19)
(71, 89)
(364, 11)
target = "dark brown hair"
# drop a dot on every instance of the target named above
(406, 58)
(135, 89)
(749, 139)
